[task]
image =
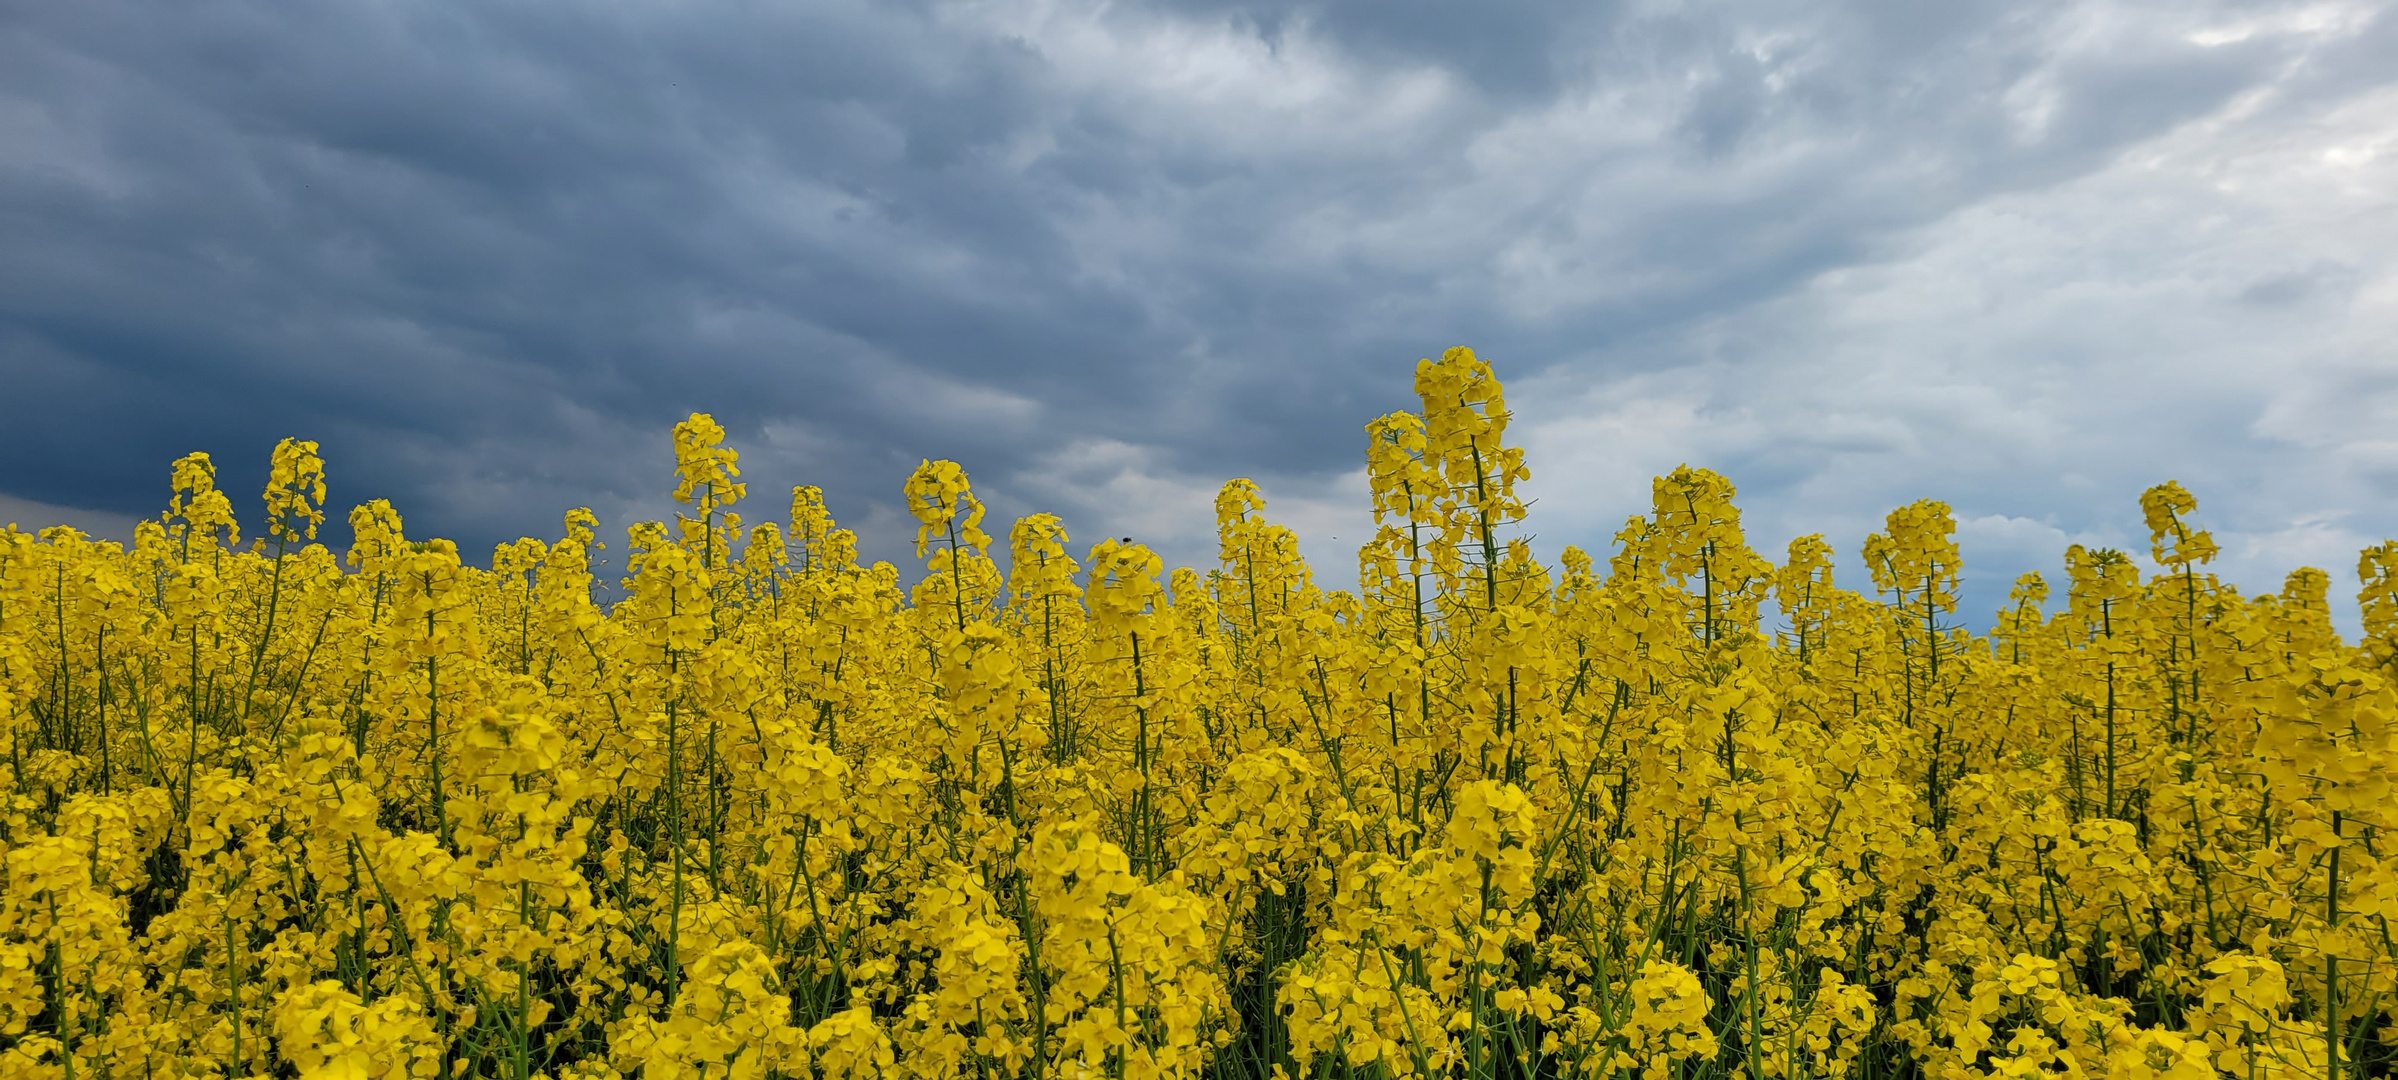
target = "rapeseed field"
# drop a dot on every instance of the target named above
(1031, 810)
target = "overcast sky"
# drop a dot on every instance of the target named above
(2029, 258)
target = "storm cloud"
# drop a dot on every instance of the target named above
(2029, 258)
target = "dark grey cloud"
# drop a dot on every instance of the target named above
(1105, 255)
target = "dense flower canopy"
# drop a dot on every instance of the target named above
(275, 812)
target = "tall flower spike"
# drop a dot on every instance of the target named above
(198, 510)
(1698, 535)
(1395, 467)
(1465, 428)
(1236, 504)
(1038, 565)
(704, 468)
(376, 535)
(810, 521)
(2166, 509)
(1806, 571)
(2029, 590)
(2307, 588)
(1916, 552)
(1803, 586)
(2096, 578)
(192, 475)
(581, 525)
(1124, 584)
(940, 497)
(295, 491)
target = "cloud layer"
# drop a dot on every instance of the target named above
(2027, 258)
